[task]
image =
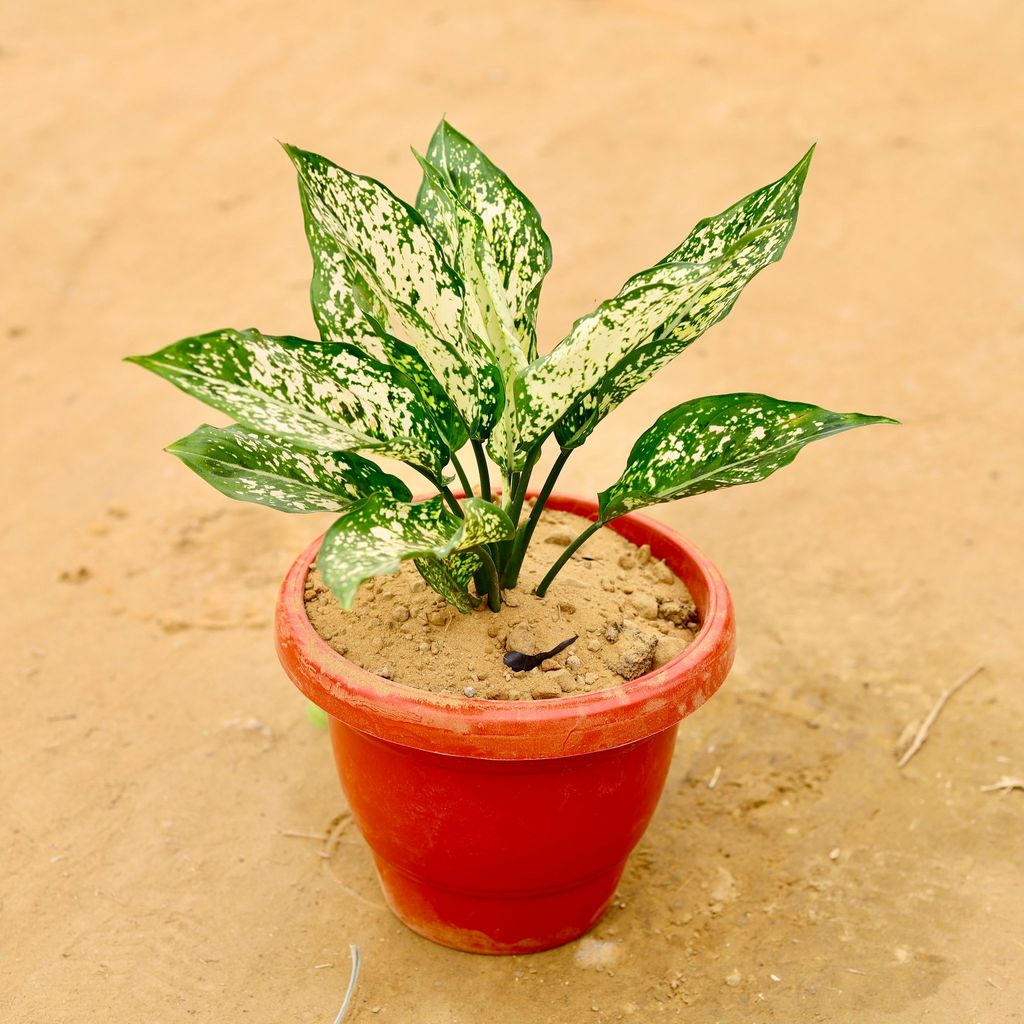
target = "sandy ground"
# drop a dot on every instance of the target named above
(153, 757)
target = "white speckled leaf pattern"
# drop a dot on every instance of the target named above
(410, 284)
(450, 577)
(663, 309)
(325, 396)
(338, 295)
(487, 308)
(719, 441)
(374, 537)
(515, 237)
(250, 466)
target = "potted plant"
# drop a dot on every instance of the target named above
(500, 806)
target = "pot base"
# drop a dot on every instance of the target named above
(520, 924)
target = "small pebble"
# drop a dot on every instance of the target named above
(611, 633)
(593, 646)
(384, 673)
(469, 691)
(563, 538)
(438, 618)
(567, 607)
(627, 560)
(549, 665)
(400, 613)
(572, 663)
(643, 555)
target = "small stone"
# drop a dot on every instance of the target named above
(423, 648)
(627, 560)
(493, 629)
(521, 639)
(438, 618)
(643, 555)
(385, 672)
(400, 613)
(571, 663)
(637, 654)
(611, 633)
(567, 607)
(593, 645)
(733, 978)
(549, 665)
(590, 678)
(434, 649)
(646, 605)
(550, 685)
(664, 574)
(469, 691)
(563, 538)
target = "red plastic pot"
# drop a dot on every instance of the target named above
(505, 827)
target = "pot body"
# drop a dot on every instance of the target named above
(505, 827)
(500, 856)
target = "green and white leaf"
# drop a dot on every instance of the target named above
(345, 310)
(719, 441)
(519, 245)
(329, 397)
(487, 309)
(250, 466)
(450, 577)
(374, 537)
(664, 309)
(413, 290)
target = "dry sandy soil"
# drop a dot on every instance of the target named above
(154, 759)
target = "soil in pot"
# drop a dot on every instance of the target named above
(628, 610)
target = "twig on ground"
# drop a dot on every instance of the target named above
(1004, 784)
(922, 732)
(715, 776)
(356, 960)
(293, 833)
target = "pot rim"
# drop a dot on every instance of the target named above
(475, 727)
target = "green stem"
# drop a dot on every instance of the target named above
(515, 508)
(444, 490)
(481, 465)
(467, 487)
(521, 543)
(493, 586)
(542, 589)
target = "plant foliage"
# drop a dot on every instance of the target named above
(428, 342)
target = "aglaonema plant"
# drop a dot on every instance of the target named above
(428, 352)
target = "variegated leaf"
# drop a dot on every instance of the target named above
(521, 249)
(324, 396)
(719, 441)
(663, 309)
(374, 537)
(450, 577)
(345, 310)
(250, 466)
(407, 277)
(487, 308)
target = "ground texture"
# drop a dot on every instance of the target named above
(155, 763)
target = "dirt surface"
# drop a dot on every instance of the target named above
(159, 779)
(627, 610)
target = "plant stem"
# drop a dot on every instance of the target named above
(467, 487)
(522, 541)
(481, 465)
(453, 503)
(444, 490)
(521, 482)
(493, 586)
(542, 589)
